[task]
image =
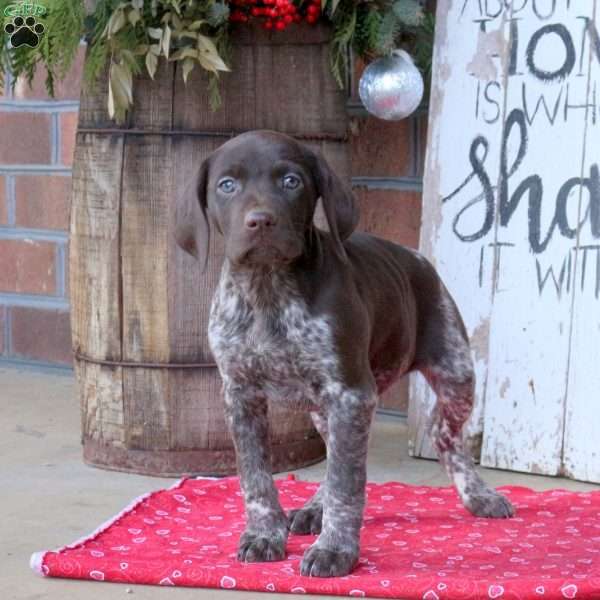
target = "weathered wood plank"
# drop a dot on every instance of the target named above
(315, 106)
(283, 86)
(144, 256)
(581, 450)
(457, 75)
(504, 194)
(93, 107)
(194, 396)
(94, 246)
(95, 285)
(530, 325)
(190, 290)
(238, 108)
(102, 404)
(153, 104)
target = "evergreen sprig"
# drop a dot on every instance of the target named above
(377, 28)
(55, 51)
(366, 32)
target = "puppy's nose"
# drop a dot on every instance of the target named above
(260, 219)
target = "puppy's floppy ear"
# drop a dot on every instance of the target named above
(339, 203)
(192, 232)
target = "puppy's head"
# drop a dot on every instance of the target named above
(260, 190)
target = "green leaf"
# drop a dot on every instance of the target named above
(122, 81)
(212, 63)
(177, 22)
(155, 32)
(192, 35)
(111, 102)
(134, 17)
(208, 55)
(214, 95)
(188, 65)
(151, 64)
(334, 5)
(196, 25)
(120, 95)
(184, 53)
(127, 55)
(166, 40)
(408, 12)
(116, 22)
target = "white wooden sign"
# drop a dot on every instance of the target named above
(511, 219)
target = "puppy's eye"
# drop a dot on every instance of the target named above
(291, 182)
(227, 185)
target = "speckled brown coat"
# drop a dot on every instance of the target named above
(324, 322)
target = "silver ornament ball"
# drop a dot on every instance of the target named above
(391, 87)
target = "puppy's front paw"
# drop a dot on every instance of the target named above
(489, 503)
(260, 548)
(305, 521)
(318, 562)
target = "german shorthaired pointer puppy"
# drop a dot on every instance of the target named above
(323, 322)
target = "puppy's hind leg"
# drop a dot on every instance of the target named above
(450, 373)
(454, 402)
(309, 519)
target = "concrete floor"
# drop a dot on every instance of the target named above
(50, 498)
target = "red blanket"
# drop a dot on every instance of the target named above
(417, 542)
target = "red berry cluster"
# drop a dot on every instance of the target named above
(275, 14)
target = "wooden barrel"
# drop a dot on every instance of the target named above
(151, 398)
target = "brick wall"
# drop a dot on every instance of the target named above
(36, 152)
(36, 149)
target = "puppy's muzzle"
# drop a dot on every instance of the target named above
(260, 220)
(267, 239)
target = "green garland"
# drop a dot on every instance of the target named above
(133, 35)
(63, 20)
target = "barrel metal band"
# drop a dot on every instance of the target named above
(143, 365)
(330, 137)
